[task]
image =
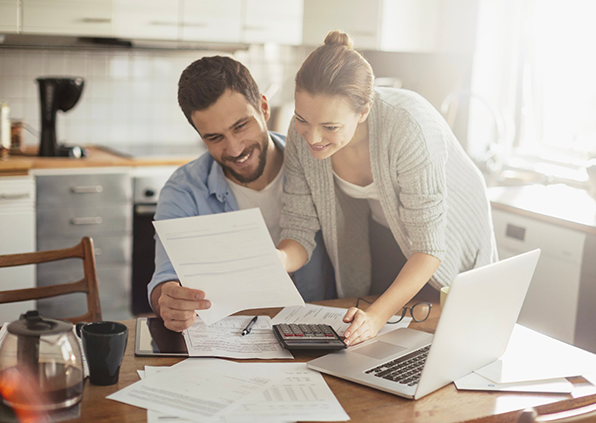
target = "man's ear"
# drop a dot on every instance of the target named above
(265, 109)
(365, 112)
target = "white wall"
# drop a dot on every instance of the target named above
(130, 95)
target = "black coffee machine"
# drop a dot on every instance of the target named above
(57, 94)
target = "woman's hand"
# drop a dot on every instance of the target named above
(365, 325)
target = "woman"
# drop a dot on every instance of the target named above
(354, 151)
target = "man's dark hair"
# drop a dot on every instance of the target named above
(204, 81)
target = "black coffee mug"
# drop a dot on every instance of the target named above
(104, 344)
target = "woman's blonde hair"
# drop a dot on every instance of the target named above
(335, 68)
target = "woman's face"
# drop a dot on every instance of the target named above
(327, 123)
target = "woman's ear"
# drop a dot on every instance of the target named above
(365, 112)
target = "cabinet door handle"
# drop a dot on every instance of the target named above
(14, 195)
(97, 220)
(89, 189)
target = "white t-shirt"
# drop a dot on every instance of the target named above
(369, 193)
(268, 200)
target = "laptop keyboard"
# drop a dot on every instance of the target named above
(405, 370)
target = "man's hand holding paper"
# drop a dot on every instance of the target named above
(176, 304)
(231, 258)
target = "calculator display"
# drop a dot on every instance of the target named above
(307, 337)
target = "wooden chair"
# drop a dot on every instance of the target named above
(585, 414)
(88, 285)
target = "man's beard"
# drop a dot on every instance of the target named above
(247, 179)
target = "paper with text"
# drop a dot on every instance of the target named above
(224, 339)
(332, 316)
(475, 382)
(301, 394)
(231, 257)
(201, 393)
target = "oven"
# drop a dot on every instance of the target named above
(147, 183)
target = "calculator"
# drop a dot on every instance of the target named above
(307, 337)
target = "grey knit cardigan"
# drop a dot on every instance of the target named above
(432, 194)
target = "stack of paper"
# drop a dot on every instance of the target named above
(292, 392)
(533, 362)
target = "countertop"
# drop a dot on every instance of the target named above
(21, 164)
(558, 204)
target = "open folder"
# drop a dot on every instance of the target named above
(231, 257)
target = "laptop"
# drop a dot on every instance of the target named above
(474, 329)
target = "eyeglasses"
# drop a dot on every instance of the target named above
(419, 311)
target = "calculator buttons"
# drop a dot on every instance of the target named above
(307, 336)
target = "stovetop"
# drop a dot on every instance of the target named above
(165, 151)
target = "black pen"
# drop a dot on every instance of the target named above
(248, 327)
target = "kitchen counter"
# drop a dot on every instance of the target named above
(21, 164)
(558, 204)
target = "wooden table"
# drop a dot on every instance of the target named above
(363, 404)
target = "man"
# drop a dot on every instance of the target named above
(243, 169)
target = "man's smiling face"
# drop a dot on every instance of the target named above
(236, 135)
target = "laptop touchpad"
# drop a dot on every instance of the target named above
(379, 350)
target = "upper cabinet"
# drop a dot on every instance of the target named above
(360, 19)
(421, 26)
(276, 21)
(9, 16)
(147, 19)
(427, 26)
(89, 18)
(211, 21)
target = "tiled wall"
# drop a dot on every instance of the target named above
(130, 95)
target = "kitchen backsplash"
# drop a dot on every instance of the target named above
(129, 96)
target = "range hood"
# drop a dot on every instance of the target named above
(86, 43)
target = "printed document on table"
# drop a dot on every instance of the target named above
(224, 339)
(201, 393)
(231, 257)
(475, 382)
(301, 394)
(332, 316)
(531, 355)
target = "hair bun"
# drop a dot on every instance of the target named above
(337, 37)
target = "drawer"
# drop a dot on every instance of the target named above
(84, 221)
(17, 193)
(87, 190)
(519, 234)
(108, 250)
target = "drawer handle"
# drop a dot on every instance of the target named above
(516, 232)
(97, 251)
(97, 220)
(14, 195)
(91, 189)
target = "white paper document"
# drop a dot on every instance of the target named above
(224, 339)
(301, 394)
(475, 382)
(231, 257)
(332, 316)
(203, 392)
(532, 356)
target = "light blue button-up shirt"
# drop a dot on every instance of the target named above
(199, 188)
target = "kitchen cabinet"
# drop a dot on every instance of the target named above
(561, 221)
(147, 19)
(212, 21)
(90, 18)
(273, 21)
(17, 235)
(72, 203)
(410, 26)
(361, 20)
(9, 16)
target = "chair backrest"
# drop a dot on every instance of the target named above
(88, 285)
(583, 414)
